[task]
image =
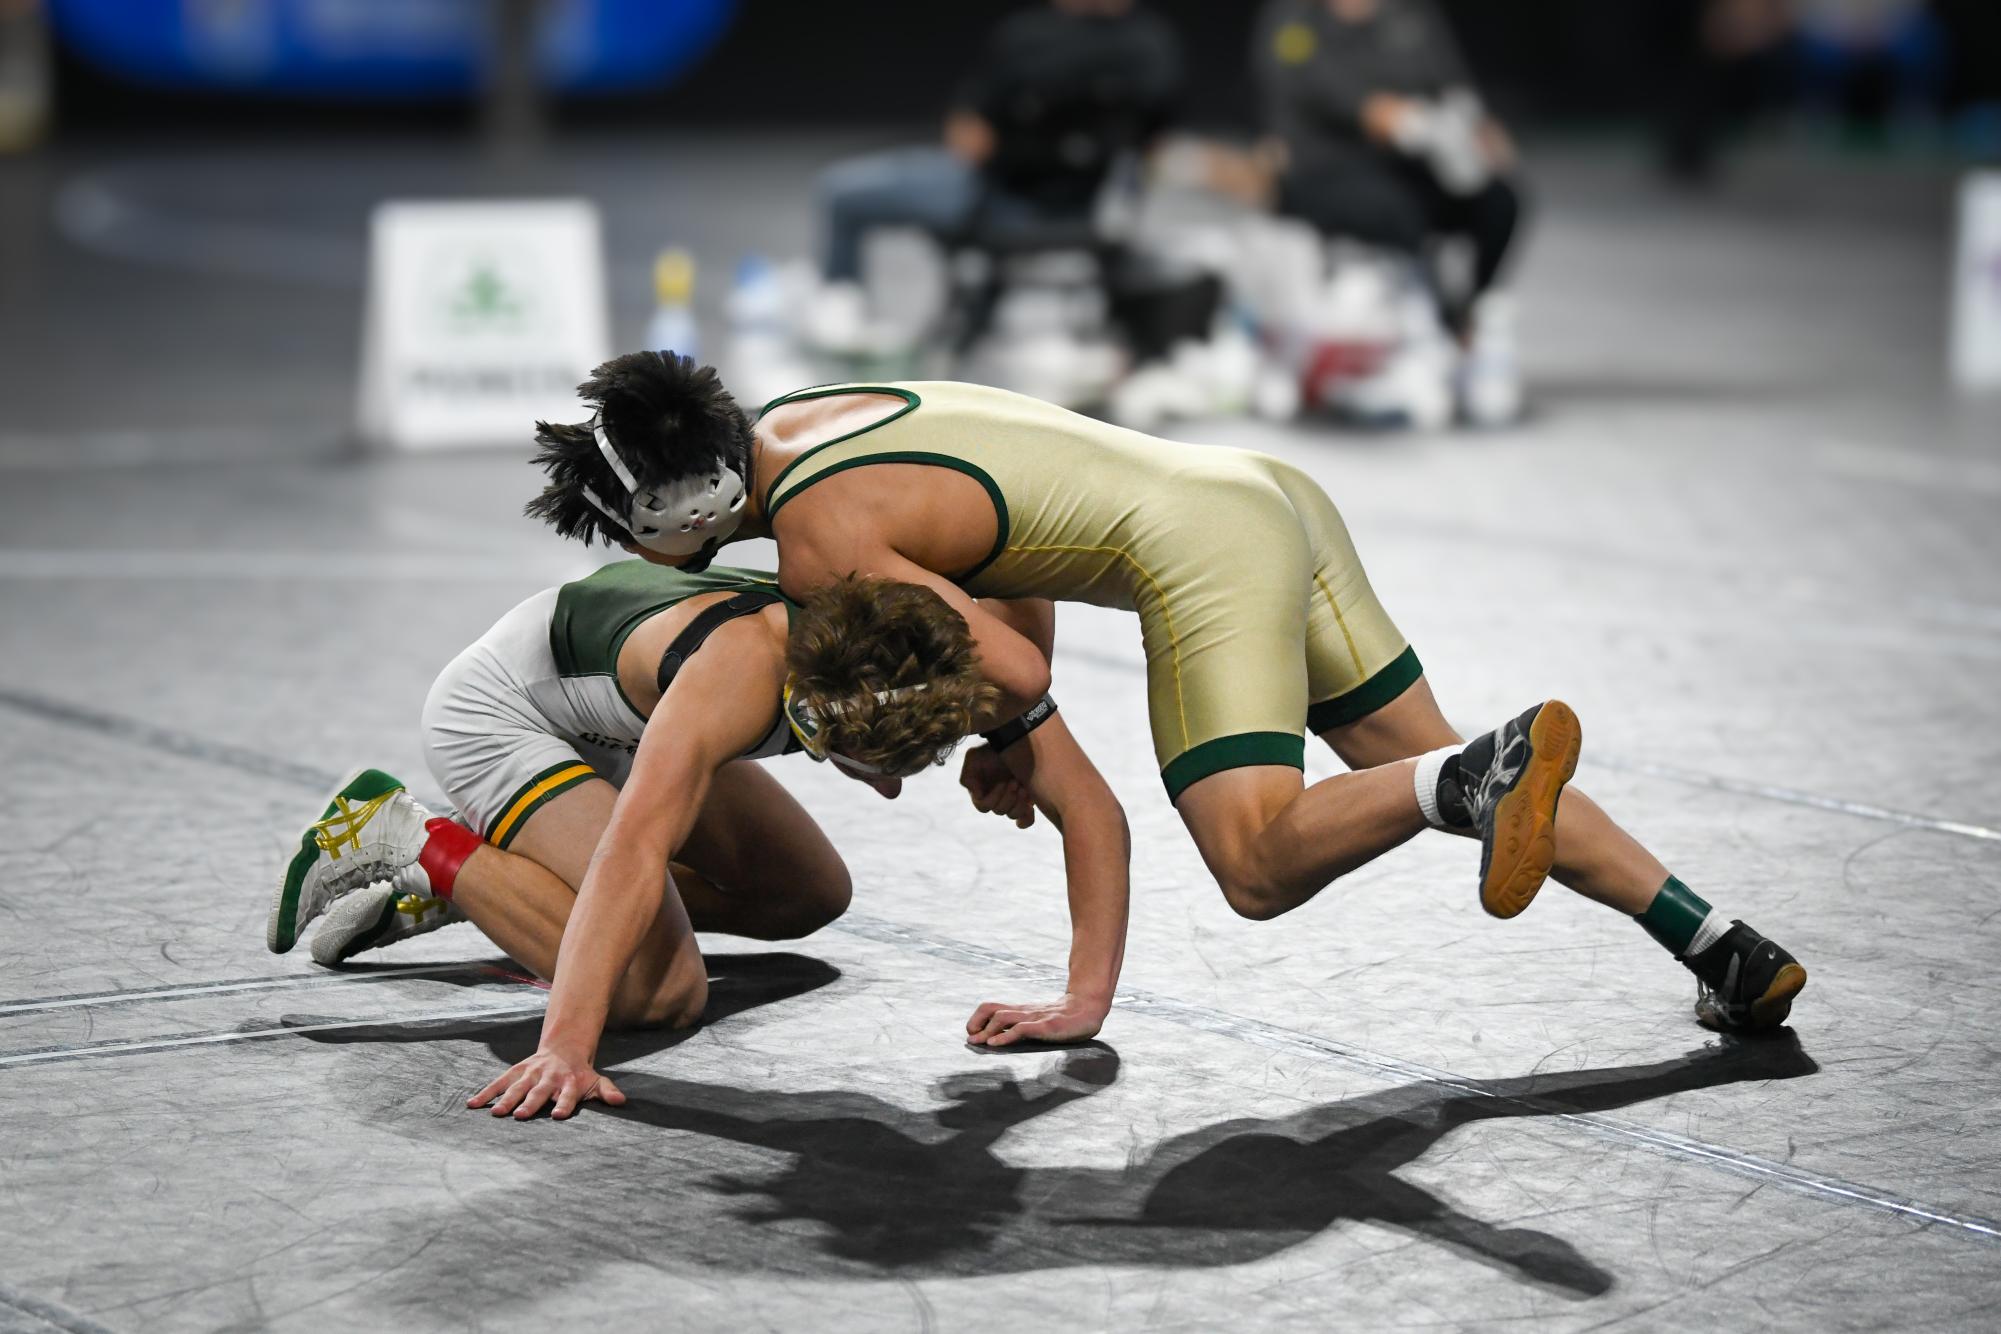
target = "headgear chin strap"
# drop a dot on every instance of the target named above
(692, 517)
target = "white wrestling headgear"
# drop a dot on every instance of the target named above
(693, 515)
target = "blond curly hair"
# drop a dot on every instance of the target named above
(861, 636)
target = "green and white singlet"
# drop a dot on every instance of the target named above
(535, 708)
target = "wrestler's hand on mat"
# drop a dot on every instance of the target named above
(994, 788)
(546, 1079)
(1069, 1019)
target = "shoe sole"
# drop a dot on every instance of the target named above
(1771, 1009)
(361, 941)
(281, 928)
(1525, 819)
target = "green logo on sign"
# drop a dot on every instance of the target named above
(484, 295)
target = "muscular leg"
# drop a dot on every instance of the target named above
(762, 867)
(1249, 647)
(755, 865)
(1273, 843)
(1594, 856)
(521, 899)
(1746, 980)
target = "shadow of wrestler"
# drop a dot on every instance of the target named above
(893, 1186)
(925, 1191)
(921, 1192)
(1296, 1175)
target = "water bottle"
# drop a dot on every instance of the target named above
(672, 328)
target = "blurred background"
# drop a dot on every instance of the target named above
(1376, 214)
(1650, 349)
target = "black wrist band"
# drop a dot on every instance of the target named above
(1007, 734)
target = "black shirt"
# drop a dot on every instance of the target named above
(1316, 70)
(1044, 55)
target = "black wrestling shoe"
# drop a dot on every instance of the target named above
(1744, 982)
(1504, 786)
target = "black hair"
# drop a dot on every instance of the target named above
(669, 419)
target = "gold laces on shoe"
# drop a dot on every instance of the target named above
(342, 829)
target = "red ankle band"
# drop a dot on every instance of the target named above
(445, 851)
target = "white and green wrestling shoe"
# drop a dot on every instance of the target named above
(379, 915)
(370, 829)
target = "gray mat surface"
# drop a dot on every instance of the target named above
(1747, 536)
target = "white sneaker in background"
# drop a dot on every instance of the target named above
(1414, 387)
(1275, 393)
(1490, 377)
(837, 319)
(1152, 397)
(1411, 386)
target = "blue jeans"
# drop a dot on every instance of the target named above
(1910, 60)
(926, 188)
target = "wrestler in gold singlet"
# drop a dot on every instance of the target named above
(1259, 623)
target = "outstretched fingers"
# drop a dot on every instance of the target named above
(576, 1091)
(532, 1085)
(491, 1091)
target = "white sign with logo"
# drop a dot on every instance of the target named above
(1976, 304)
(482, 317)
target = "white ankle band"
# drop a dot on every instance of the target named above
(1714, 927)
(1425, 780)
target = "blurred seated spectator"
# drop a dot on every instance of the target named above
(1727, 60)
(1867, 61)
(1972, 40)
(1054, 94)
(1870, 66)
(1379, 136)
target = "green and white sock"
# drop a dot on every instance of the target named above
(1681, 921)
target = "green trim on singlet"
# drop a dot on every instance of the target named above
(911, 402)
(595, 615)
(1366, 698)
(1232, 752)
(532, 796)
(927, 459)
(775, 496)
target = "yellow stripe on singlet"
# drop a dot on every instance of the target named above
(1354, 654)
(533, 794)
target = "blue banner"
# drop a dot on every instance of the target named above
(383, 48)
